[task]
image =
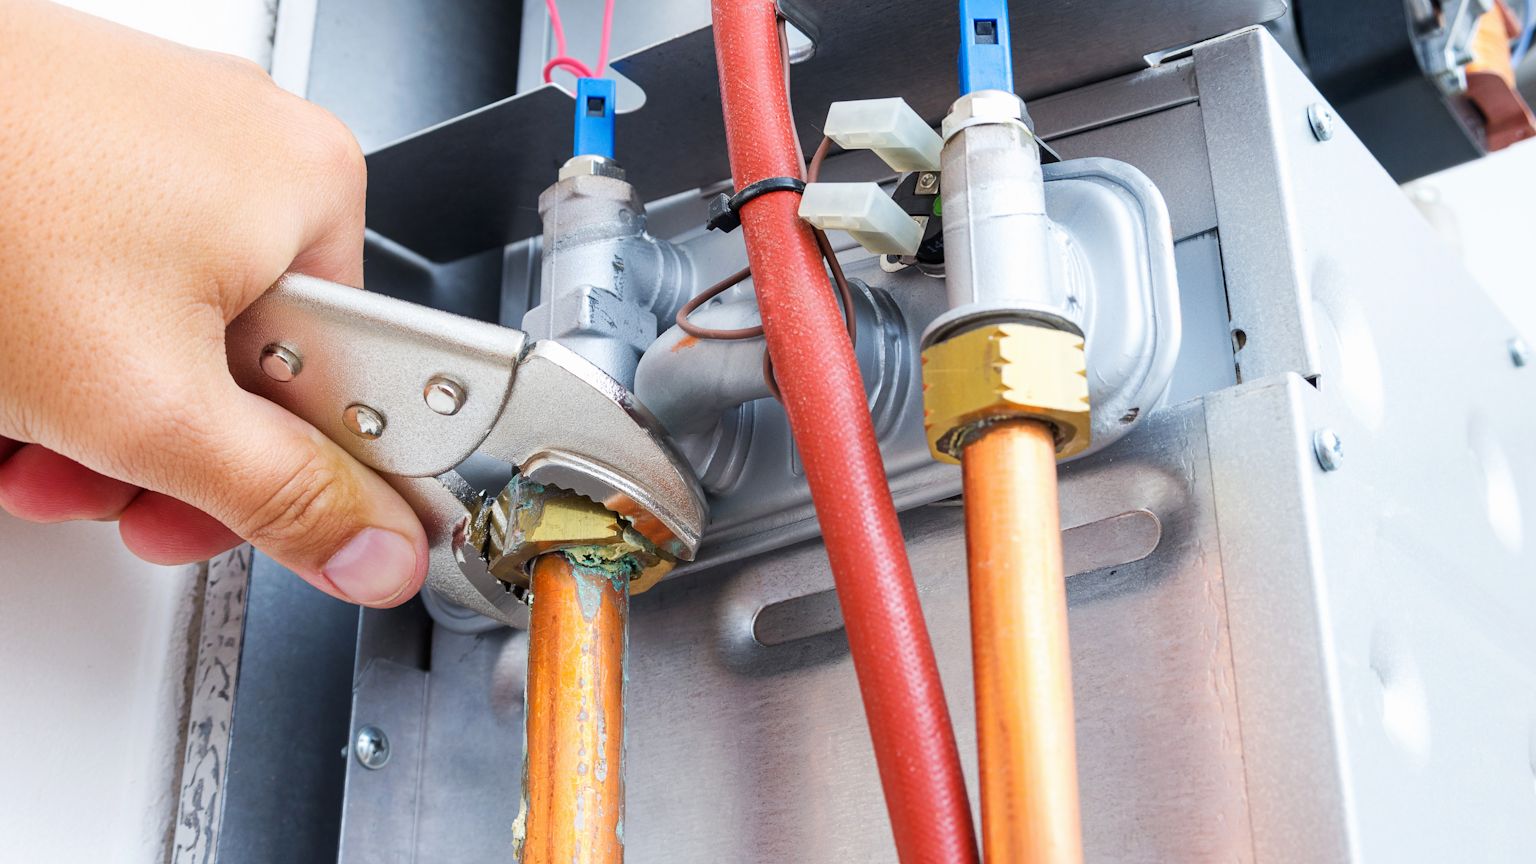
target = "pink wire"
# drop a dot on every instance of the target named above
(571, 64)
(555, 25)
(602, 52)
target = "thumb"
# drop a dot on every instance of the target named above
(283, 486)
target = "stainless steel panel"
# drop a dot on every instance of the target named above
(1251, 136)
(1169, 147)
(740, 752)
(1380, 612)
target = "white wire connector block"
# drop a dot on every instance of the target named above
(890, 128)
(865, 212)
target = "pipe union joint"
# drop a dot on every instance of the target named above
(1002, 371)
(528, 520)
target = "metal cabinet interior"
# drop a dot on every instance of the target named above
(1302, 665)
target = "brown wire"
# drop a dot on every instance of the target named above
(839, 280)
(709, 294)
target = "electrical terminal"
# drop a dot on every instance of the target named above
(865, 212)
(890, 128)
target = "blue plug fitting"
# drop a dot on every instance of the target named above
(594, 117)
(986, 61)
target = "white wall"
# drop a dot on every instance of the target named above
(93, 647)
(93, 642)
(241, 27)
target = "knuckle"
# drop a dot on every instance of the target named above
(333, 151)
(239, 70)
(304, 511)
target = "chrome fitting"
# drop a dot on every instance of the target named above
(590, 166)
(1002, 371)
(605, 283)
(986, 107)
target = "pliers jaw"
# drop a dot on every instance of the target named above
(538, 407)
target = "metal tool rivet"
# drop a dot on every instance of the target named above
(1519, 352)
(371, 747)
(927, 183)
(280, 363)
(1321, 118)
(1329, 448)
(444, 395)
(364, 421)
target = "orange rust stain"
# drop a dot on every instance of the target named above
(685, 342)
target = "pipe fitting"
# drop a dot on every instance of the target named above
(1001, 371)
(605, 282)
(999, 259)
(687, 383)
(701, 389)
(529, 519)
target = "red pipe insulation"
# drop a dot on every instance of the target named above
(823, 395)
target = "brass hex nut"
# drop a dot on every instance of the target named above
(528, 520)
(998, 371)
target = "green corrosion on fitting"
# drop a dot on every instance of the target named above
(605, 561)
(595, 566)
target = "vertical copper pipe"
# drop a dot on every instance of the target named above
(573, 769)
(1023, 668)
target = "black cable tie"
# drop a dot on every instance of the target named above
(725, 210)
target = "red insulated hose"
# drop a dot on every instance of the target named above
(829, 417)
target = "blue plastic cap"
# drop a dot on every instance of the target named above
(594, 117)
(986, 61)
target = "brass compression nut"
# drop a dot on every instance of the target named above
(528, 520)
(999, 371)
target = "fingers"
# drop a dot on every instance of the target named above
(300, 498)
(39, 485)
(162, 530)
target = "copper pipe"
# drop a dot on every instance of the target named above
(573, 768)
(1023, 667)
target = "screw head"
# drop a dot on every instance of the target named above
(364, 422)
(1329, 449)
(281, 363)
(1519, 352)
(1322, 120)
(927, 183)
(444, 395)
(371, 747)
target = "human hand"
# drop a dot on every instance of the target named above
(151, 193)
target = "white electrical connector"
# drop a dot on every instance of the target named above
(865, 212)
(890, 128)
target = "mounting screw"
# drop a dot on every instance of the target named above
(1329, 449)
(444, 395)
(371, 747)
(927, 183)
(1321, 118)
(364, 421)
(1519, 352)
(280, 363)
